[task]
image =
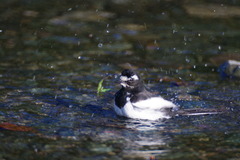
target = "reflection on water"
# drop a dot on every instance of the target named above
(143, 138)
(143, 125)
(149, 138)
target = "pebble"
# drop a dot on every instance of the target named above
(230, 69)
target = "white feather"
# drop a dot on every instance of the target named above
(151, 109)
(118, 110)
(135, 77)
(125, 78)
(155, 103)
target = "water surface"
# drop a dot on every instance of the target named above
(54, 54)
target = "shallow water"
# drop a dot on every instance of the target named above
(54, 54)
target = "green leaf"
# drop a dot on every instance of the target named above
(105, 90)
(100, 88)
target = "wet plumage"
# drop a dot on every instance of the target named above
(133, 100)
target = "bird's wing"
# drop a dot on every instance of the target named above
(155, 103)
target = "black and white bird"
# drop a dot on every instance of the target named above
(134, 101)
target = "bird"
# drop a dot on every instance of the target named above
(134, 101)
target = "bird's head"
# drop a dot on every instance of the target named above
(129, 79)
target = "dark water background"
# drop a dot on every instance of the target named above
(53, 54)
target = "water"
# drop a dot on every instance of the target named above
(52, 59)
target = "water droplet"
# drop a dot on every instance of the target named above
(1, 30)
(219, 48)
(90, 35)
(187, 60)
(79, 57)
(185, 38)
(194, 66)
(100, 45)
(107, 31)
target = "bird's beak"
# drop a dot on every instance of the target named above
(123, 80)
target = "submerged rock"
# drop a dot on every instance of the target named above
(86, 16)
(230, 69)
(212, 10)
